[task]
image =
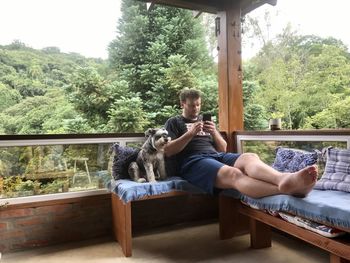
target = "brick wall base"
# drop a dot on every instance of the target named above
(47, 223)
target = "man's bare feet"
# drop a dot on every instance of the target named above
(299, 183)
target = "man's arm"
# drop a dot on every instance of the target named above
(219, 142)
(177, 145)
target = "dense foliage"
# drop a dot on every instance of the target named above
(155, 54)
(32, 94)
(305, 80)
(159, 52)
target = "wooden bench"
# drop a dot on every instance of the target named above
(232, 211)
(122, 218)
(122, 214)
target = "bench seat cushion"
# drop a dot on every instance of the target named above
(128, 190)
(327, 207)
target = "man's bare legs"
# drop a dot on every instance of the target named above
(254, 178)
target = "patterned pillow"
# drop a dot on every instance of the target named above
(292, 160)
(123, 156)
(336, 175)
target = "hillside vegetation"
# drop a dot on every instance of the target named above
(305, 80)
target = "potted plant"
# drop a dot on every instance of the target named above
(275, 122)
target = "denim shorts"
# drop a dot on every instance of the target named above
(201, 169)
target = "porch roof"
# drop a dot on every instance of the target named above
(216, 6)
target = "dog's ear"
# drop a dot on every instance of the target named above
(150, 132)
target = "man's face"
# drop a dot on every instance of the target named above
(191, 108)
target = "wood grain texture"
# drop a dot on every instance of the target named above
(122, 224)
(231, 223)
(158, 210)
(230, 70)
(338, 247)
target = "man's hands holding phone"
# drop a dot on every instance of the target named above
(196, 128)
(208, 125)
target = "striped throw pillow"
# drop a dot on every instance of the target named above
(337, 171)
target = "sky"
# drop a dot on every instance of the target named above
(81, 26)
(323, 18)
(88, 26)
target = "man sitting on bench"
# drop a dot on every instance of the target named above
(201, 153)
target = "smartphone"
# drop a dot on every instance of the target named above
(206, 117)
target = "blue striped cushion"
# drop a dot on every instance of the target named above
(337, 171)
(327, 207)
(128, 190)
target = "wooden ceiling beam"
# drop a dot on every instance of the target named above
(213, 7)
(196, 13)
(249, 5)
(201, 5)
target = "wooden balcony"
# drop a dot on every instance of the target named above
(70, 218)
(59, 223)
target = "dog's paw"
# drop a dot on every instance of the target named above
(152, 181)
(141, 180)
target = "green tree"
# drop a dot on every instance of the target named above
(8, 97)
(254, 114)
(38, 115)
(333, 117)
(32, 94)
(92, 95)
(26, 117)
(158, 53)
(127, 115)
(300, 76)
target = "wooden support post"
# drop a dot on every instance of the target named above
(227, 217)
(336, 259)
(260, 234)
(230, 70)
(122, 224)
(231, 222)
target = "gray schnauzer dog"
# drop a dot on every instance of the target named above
(150, 164)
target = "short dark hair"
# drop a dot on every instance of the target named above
(191, 94)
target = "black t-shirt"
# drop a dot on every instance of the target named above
(201, 143)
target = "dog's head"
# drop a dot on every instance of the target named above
(158, 138)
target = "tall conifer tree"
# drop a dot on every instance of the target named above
(159, 52)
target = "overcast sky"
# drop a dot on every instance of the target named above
(309, 17)
(82, 26)
(88, 26)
